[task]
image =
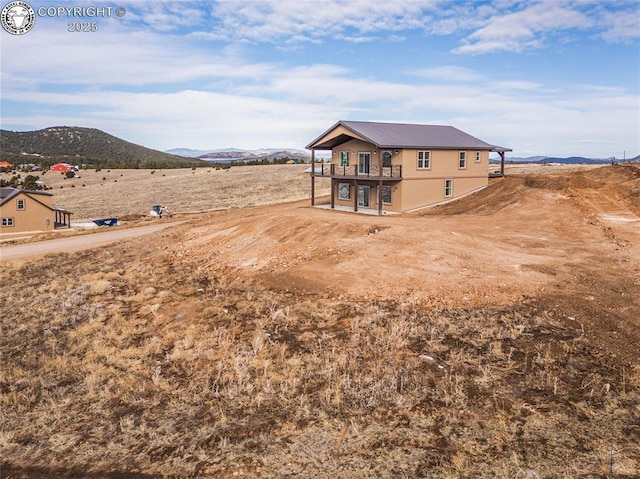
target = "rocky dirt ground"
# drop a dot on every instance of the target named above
(495, 336)
(571, 236)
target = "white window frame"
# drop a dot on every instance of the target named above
(390, 190)
(21, 205)
(448, 188)
(361, 156)
(340, 188)
(364, 201)
(478, 157)
(343, 158)
(8, 222)
(423, 163)
(462, 160)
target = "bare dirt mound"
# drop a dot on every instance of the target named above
(618, 186)
(573, 237)
(495, 336)
(515, 237)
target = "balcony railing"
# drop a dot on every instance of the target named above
(374, 171)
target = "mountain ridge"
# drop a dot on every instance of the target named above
(541, 159)
(242, 152)
(97, 148)
(81, 145)
(239, 154)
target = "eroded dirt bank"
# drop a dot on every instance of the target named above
(492, 337)
(570, 238)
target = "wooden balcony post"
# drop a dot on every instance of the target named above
(333, 193)
(313, 177)
(355, 195)
(380, 174)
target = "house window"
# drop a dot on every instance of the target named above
(424, 160)
(7, 222)
(344, 191)
(386, 159)
(462, 160)
(448, 188)
(477, 157)
(386, 194)
(344, 158)
(20, 205)
(364, 162)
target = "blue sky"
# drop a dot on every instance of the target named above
(544, 78)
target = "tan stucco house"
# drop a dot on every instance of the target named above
(28, 210)
(400, 167)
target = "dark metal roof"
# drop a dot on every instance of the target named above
(402, 135)
(61, 210)
(7, 193)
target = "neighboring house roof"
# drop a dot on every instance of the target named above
(7, 193)
(61, 167)
(401, 135)
(61, 210)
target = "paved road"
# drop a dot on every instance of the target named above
(77, 243)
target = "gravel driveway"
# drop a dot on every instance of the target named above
(77, 243)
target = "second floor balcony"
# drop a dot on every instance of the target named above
(371, 172)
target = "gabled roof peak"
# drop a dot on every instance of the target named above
(9, 192)
(403, 135)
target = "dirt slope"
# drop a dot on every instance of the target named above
(570, 236)
(496, 336)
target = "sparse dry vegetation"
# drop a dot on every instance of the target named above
(188, 375)
(146, 359)
(121, 193)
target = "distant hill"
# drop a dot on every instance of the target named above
(236, 155)
(89, 146)
(270, 156)
(227, 155)
(191, 153)
(568, 160)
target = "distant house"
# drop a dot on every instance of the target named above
(5, 164)
(62, 167)
(400, 167)
(27, 210)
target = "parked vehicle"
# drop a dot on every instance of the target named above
(158, 210)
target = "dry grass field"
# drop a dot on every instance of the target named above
(131, 193)
(123, 193)
(494, 337)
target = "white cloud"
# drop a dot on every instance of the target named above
(165, 87)
(314, 20)
(523, 29)
(167, 16)
(291, 109)
(494, 27)
(448, 73)
(537, 23)
(196, 119)
(127, 59)
(620, 26)
(517, 85)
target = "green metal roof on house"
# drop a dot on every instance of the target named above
(403, 135)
